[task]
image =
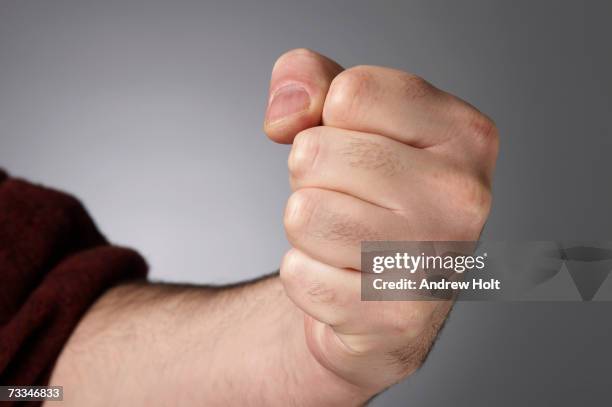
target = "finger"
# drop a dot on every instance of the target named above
(402, 106)
(333, 296)
(330, 226)
(328, 294)
(300, 81)
(370, 167)
(412, 183)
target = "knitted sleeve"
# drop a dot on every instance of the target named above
(54, 264)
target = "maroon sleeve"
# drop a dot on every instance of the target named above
(54, 263)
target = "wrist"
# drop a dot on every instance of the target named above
(243, 345)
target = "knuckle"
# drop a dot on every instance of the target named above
(398, 325)
(298, 213)
(415, 87)
(473, 199)
(477, 199)
(483, 131)
(469, 207)
(408, 321)
(345, 93)
(304, 152)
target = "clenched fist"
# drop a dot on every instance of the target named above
(378, 154)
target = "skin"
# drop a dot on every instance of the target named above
(378, 154)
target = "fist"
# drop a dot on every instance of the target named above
(378, 154)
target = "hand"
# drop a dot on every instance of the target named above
(378, 154)
(394, 159)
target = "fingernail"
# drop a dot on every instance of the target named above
(287, 100)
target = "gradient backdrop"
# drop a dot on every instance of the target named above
(151, 113)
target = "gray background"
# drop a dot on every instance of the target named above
(151, 113)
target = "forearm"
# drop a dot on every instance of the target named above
(192, 345)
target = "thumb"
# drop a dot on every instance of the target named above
(300, 81)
